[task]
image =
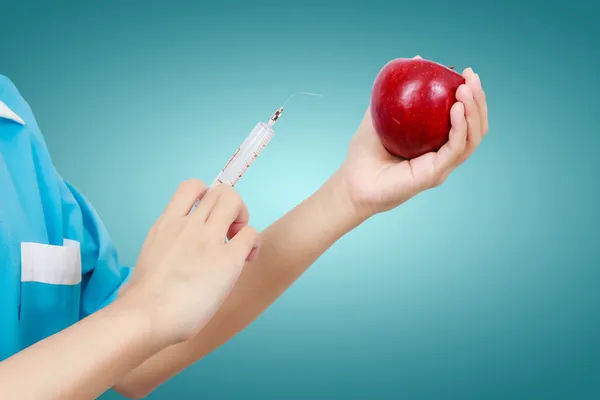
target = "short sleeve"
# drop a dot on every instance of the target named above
(102, 273)
(40, 210)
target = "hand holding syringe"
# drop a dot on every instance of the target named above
(245, 155)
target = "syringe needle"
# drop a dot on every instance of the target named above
(275, 116)
(300, 93)
(279, 111)
(250, 148)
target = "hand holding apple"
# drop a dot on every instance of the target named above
(410, 105)
(376, 180)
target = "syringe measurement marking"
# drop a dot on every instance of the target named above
(261, 145)
(230, 160)
(254, 155)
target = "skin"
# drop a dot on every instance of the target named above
(184, 273)
(410, 105)
(203, 297)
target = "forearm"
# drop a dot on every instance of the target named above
(84, 360)
(289, 247)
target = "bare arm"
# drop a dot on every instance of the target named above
(370, 181)
(84, 360)
(289, 247)
(184, 253)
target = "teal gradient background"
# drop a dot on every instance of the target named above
(485, 288)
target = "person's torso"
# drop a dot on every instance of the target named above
(47, 253)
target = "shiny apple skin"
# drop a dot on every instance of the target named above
(410, 106)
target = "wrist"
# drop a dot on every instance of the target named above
(335, 199)
(144, 318)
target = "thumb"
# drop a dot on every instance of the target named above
(245, 243)
(418, 57)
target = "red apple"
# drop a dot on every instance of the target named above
(410, 105)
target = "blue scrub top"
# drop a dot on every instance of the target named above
(57, 262)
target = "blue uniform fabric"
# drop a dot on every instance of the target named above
(57, 262)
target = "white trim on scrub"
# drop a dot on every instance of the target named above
(7, 113)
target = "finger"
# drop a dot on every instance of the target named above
(481, 101)
(472, 80)
(467, 72)
(228, 210)
(242, 220)
(417, 57)
(475, 84)
(209, 200)
(253, 253)
(465, 96)
(244, 243)
(451, 152)
(184, 198)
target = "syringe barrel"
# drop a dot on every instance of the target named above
(241, 160)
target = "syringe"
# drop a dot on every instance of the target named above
(250, 148)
